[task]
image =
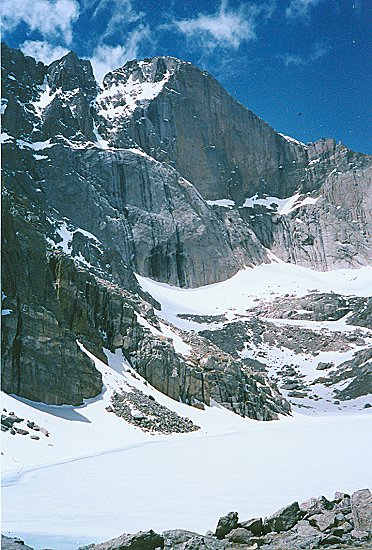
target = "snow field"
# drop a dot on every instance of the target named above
(242, 291)
(187, 482)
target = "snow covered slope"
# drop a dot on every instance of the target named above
(233, 314)
(250, 285)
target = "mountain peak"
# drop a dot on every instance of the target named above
(70, 72)
(152, 69)
(134, 84)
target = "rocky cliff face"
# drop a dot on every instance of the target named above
(40, 357)
(182, 116)
(190, 122)
(160, 173)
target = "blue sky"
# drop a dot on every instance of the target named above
(301, 65)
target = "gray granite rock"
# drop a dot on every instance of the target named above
(316, 505)
(301, 536)
(361, 507)
(177, 537)
(284, 519)
(143, 540)
(226, 524)
(253, 525)
(324, 521)
(360, 535)
(240, 535)
(13, 543)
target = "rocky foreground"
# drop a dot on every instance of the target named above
(344, 522)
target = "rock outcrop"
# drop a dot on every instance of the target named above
(361, 508)
(40, 357)
(358, 374)
(143, 540)
(13, 543)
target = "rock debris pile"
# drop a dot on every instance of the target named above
(344, 522)
(15, 425)
(146, 413)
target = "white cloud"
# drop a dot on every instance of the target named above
(300, 9)
(319, 51)
(52, 18)
(43, 51)
(120, 14)
(135, 40)
(106, 58)
(226, 28)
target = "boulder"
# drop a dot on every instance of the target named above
(174, 537)
(199, 542)
(284, 519)
(344, 528)
(324, 521)
(22, 432)
(330, 540)
(239, 536)
(359, 535)
(340, 496)
(324, 366)
(337, 532)
(143, 540)
(8, 420)
(302, 535)
(315, 505)
(254, 525)
(226, 524)
(361, 507)
(343, 505)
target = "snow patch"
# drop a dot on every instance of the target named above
(36, 146)
(308, 200)
(5, 138)
(140, 152)
(3, 105)
(66, 231)
(179, 345)
(66, 237)
(284, 206)
(40, 157)
(102, 143)
(225, 203)
(46, 97)
(121, 99)
(292, 140)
